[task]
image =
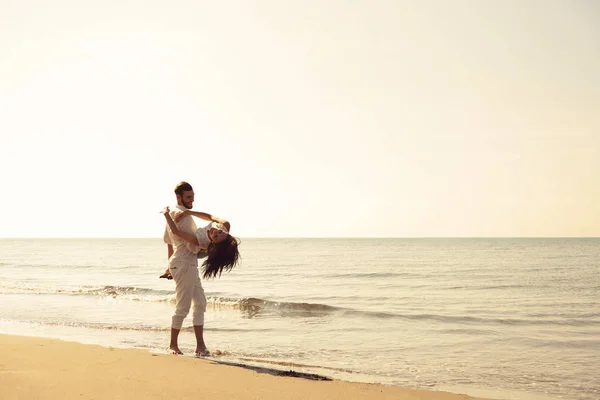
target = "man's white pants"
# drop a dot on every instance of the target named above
(188, 291)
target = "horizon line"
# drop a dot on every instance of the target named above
(322, 237)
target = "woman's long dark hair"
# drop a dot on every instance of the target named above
(222, 256)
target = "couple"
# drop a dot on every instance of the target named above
(185, 244)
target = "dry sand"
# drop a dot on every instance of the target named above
(39, 368)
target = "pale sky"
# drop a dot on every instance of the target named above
(301, 118)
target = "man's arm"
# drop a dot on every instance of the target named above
(204, 216)
(211, 218)
(167, 240)
(167, 273)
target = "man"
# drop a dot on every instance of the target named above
(183, 267)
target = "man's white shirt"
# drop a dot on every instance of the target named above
(181, 248)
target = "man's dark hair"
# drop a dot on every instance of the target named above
(182, 187)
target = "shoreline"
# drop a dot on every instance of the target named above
(35, 367)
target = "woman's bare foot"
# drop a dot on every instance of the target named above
(175, 351)
(167, 275)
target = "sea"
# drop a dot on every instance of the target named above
(501, 318)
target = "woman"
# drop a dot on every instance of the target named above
(214, 238)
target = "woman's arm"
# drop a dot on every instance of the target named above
(188, 237)
(204, 216)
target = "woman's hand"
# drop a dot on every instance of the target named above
(165, 210)
(181, 215)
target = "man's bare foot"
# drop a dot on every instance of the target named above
(202, 352)
(175, 351)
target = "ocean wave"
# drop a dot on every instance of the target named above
(121, 292)
(481, 287)
(252, 307)
(478, 321)
(371, 275)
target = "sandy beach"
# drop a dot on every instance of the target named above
(39, 368)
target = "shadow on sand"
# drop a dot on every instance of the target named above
(276, 372)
